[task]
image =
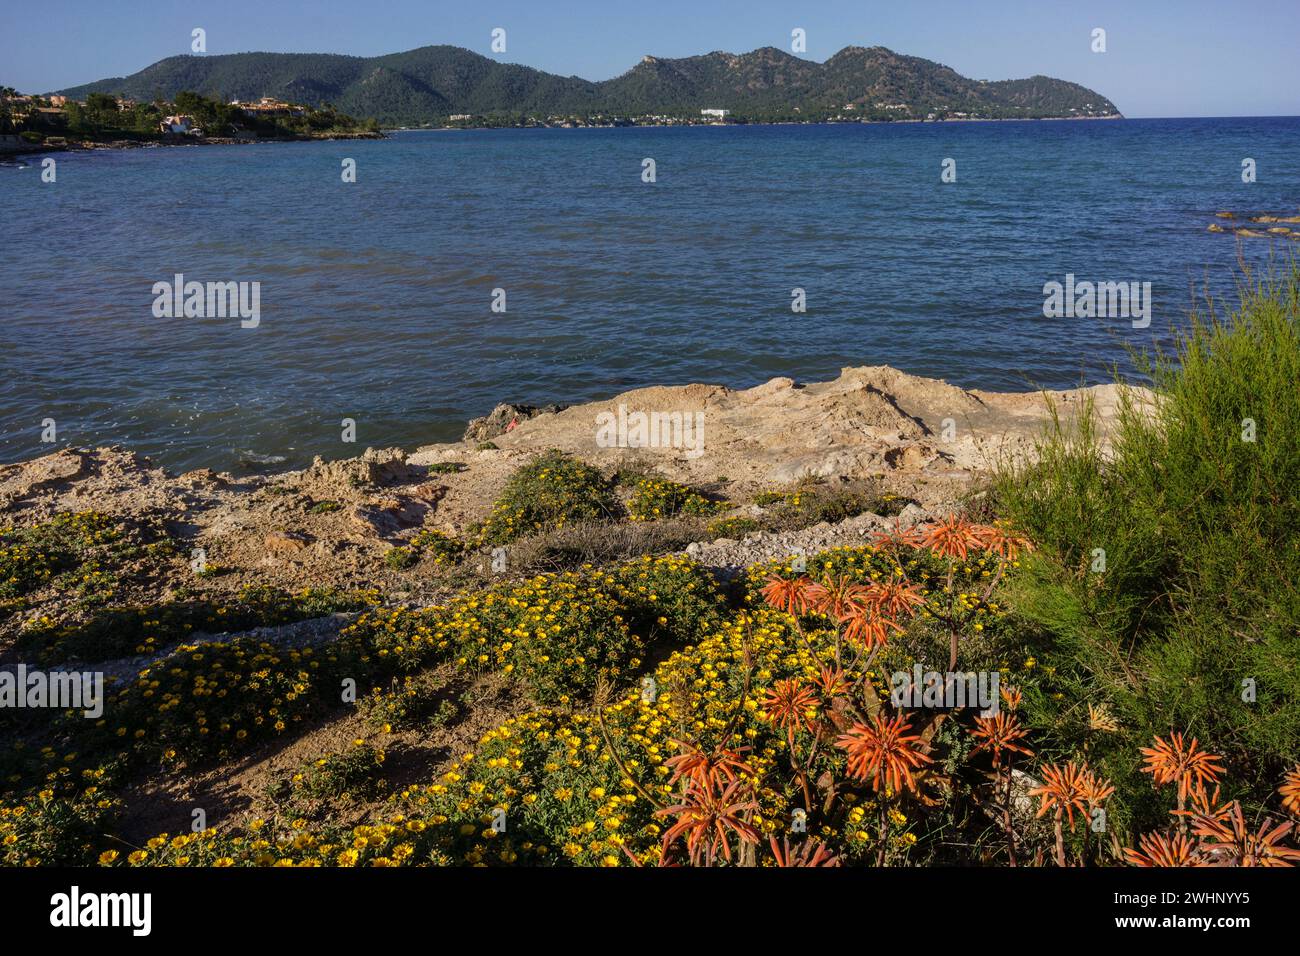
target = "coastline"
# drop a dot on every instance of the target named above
(692, 124)
(87, 145)
(909, 439)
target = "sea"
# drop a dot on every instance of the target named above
(465, 268)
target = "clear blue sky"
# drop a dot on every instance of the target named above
(1164, 57)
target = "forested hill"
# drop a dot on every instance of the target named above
(428, 84)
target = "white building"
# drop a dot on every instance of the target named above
(716, 114)
(183, 125)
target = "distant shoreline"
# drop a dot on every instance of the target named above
(87, 145)
(31, 149)
(632, 125)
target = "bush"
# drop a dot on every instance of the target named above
(54, 830)
(417, 699)
(546, 495)
(438, 546)
(1166, 585)
(400, 558)
(68, 548)
(655, 499)
(734, 527)
(812, 502)
(558, 633)
(119, 632)
(355, 772)
(600, 543)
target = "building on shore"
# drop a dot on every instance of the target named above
(47, 117)
(179, 125)
(269, 106)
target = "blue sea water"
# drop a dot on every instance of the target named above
(376, 295)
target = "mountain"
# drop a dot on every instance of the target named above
(428, 84)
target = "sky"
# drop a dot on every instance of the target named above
(1163, 57)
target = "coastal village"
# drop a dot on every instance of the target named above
(880, 112)
(32, 123)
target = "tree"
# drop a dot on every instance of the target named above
(101, 111)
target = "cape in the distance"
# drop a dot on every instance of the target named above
(434, 84)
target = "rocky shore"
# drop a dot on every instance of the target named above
(920, 441)
(69, 145)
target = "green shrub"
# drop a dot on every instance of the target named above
(416, 700)
(442, 548)
(120, 632)
(69, 548)
(1166, 584)
(547, 494)
(400, 558)
(55, 830)
(656, 499)
(557, 633)
(355, 772)
(811, 502)
(734, 527)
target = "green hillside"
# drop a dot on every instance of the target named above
(428, 84)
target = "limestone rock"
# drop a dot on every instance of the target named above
(286, 542)
(388, 466)
(505, 417)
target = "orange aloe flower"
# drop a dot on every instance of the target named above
(1155, 849)
(868, 629)
(884, 752)
(999, 735)
(832, 682)
(1205, 804)
(1011, 696)
(708, 818)
(1290, 791)
(786, 594)
(1095, 789)
(837, 598)
(787, 705)
(1101, 719)
(1173, 761)
(1006, 545)
(898, 537)
(953, 538)
(894, 599)
(1065, 789)
(1227, 841)
(698, 767)
(810, 853)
